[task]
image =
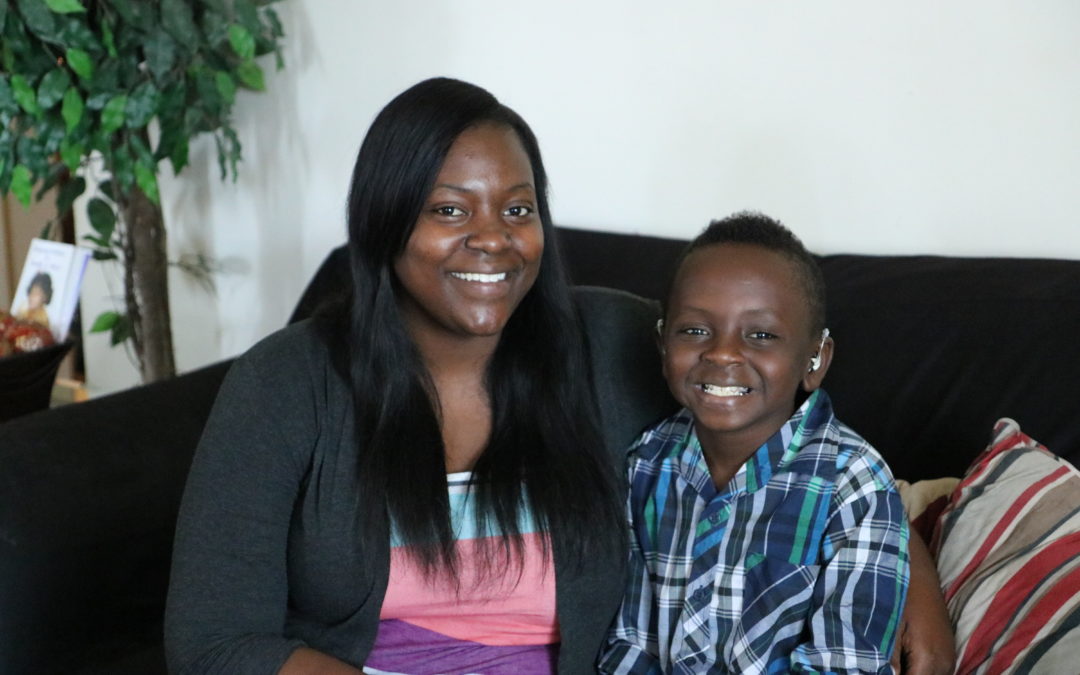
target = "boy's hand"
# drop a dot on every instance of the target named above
(924, 644)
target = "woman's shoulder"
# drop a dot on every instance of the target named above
(291, 346)
(283, 360)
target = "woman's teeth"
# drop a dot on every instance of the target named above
(482, 278)
(714, 390)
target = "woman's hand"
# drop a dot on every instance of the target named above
(924, 644)
(307, 661)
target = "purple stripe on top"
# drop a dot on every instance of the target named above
(404, 648)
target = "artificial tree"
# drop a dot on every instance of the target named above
(131, 82)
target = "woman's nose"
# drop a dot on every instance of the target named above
(489, 233)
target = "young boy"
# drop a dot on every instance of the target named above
(767, 537)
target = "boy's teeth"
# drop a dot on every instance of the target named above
(715, 390)
(482, 278)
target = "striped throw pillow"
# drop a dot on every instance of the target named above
(1008, 552)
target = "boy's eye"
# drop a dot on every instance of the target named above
(762, 335)
(519, 211)
(693, 331)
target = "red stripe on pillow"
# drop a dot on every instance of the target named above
(1025, 631)
(1000, 528)
(1013, 594)
(998, 445)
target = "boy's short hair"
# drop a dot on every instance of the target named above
(757, 229)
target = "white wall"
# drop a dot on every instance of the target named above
(914, 127)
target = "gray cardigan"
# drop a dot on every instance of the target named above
(267, 557)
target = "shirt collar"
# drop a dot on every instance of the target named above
(771, 457)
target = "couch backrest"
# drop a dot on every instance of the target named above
(931, 350)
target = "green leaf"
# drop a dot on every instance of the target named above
(141, 105)
(276, 29)
(215, 27)
(120, 165)
(38, 18)
(56, 173)
(121, 331)
(138, 144)
(108, 38)
(207, 100)
(225, 86)
(31, 152)
(177, 19)
(52, 87)
(72, 109)
(146, 179)
(247, 14)
(242, 42)
(7, 99)
(65, 6)
(232, 149)
(106, 188)
(71, 153)
(251, 75)
(24, 95)
(73, 31)
(102, 217)
(97, 101)
(174, 145)
(160, 53)
(50, 133)
(21, 184)
(103, 255)
(138, 14)
(105, 321)
(112, 115)
(80, 62)
(69, 191)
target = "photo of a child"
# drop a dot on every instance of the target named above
(38, 295)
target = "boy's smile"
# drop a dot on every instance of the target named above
(737, 344)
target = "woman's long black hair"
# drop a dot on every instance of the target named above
(545, 451)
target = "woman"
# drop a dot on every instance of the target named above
(453, 384)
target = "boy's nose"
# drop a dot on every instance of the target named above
(723, 349)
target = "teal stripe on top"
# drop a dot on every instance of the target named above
(459, 489)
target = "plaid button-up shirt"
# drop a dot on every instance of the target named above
(799, 564)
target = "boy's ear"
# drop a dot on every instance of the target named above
(658, 336)
(814, 376)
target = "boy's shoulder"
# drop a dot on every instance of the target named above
(830, 447)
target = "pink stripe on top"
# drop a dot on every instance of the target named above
(499, 624)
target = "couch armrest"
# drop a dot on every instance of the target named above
(88, 500)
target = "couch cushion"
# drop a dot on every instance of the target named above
(924, 501)
(88, 501)
(1008, 552)
(630, 388)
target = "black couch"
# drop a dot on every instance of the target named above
(930, 352)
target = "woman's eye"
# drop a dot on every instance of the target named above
(448, 211)
(519, 211)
